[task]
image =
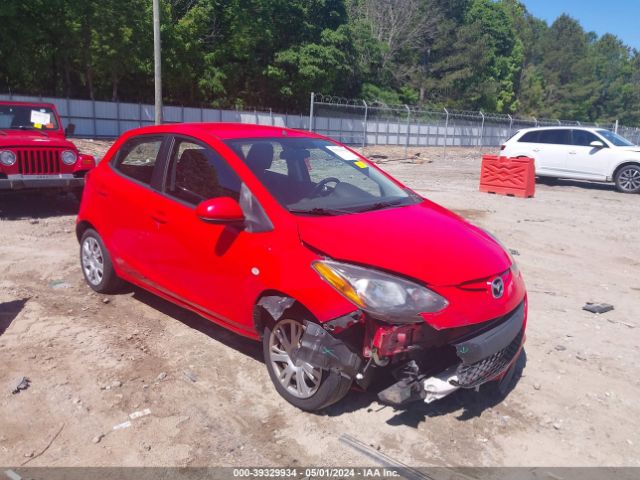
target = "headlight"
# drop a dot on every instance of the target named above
(385, 296)
(7, 158)
(69, 157)
(514, 266)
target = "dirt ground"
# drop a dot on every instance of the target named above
(93, 360)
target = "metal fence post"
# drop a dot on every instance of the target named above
(118, 117)
(364, 125)
(95, 121)
(481, 140)
(311, 112)
(446, 132)
(559, 122)
(616, 126)
(510, 124)
(406, 140)
(535, 121)
(271, 117)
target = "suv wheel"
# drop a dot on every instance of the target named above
(628, 179)
(299, 383)
(96, 264)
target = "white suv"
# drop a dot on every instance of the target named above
(578, 152)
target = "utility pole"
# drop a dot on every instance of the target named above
(157, 62)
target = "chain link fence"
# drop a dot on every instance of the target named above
(98, 119)
(357, 122)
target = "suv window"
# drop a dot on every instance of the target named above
(556, 136)
(197, 173)
(583, 138)
(530, 137)
(137, 158)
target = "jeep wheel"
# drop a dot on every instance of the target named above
(628, 179)
(96, 264)
(299, 383)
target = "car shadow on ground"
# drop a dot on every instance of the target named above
(9, 311)
(467, 404)
(17, 206)
(562, 182)
(192, 320)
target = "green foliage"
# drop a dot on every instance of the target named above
(470, 54)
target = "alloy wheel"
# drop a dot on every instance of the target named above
(92, 261)
(300, 379)
(629, 179)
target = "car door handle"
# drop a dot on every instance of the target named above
(536, 149)
(572, 153)
(159, 217)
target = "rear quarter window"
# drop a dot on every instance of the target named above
(529, 137)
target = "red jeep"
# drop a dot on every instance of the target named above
(34, 151)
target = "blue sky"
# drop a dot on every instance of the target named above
(619, 17)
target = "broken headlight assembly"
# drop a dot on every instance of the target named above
(385, 296)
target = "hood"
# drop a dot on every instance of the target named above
(31, 139)
(634, 148)
(423, 241)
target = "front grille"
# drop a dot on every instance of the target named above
(38, 161)
(470, 376)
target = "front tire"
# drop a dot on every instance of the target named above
(303, 386)
(96, 264)
(628, 179)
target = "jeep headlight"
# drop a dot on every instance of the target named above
(383, 295)
(7, 158)
(69, 157)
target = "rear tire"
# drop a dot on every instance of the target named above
(96, 265)
(628, 179)
(310, 389)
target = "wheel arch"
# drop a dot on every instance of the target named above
(82, 227)
(271, 306)
(626, 163)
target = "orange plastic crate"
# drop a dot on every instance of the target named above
(508, 176)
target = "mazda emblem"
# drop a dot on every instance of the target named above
(497, 287)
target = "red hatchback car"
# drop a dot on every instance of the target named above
(291, 238)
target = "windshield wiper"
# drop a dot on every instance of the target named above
(321, 211)
(380, 206)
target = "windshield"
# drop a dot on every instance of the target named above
(24, 117)
(615, 139)
(316, 177)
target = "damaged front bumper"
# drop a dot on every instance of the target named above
(429, 364)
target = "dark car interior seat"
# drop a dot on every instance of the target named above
(195, 179)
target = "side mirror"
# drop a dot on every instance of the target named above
(220, 210)
(597, 144)
(70, 130)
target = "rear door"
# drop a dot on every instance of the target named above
(130, 188)
(586, 161)
(553, 148)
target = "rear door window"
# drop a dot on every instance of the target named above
(556, 137)
(137, 158)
